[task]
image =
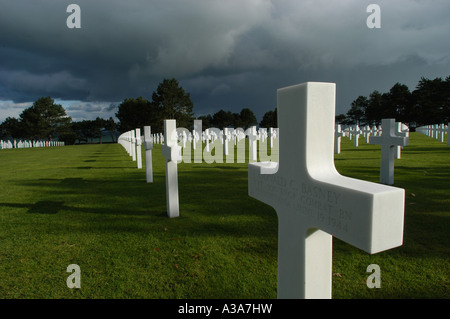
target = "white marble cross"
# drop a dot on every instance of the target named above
(133, 145)
(252, 143)
(366, 133)
(271, 135)
(399, 132)
(388, 140)
(197, 133)
(337, 138)
(172, 153)
(148, 145)
(448, 134)
(313, 201)
(226, 139)
(356, 131)
(441, 132)
(138, 146)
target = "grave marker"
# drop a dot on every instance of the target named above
(138, 148)
(356, 131)
(133, 145)
(148, 145)
(313, 202)
(172, 153)
(198, 151)
(337, 138)
(252, 143)
(366, 133)
(448, 134)
(399, 132)
(388, 140)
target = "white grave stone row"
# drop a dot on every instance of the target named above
(354, 132)
(224, 139)
(437, 131)
(28, 144)
(158, 138)
(132, 142)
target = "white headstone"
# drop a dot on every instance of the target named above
(207, 137)
(133, 145)
(198, 150)
(172, 153)
(148, 145)
(448, 134)
(366, 133)
(356, 131)
(313, 201)
(388, 140)
(337, 138)
(271, 136)
(138, 146)
(399, 132)
(252, 143)
(226, 139)
(441, 131)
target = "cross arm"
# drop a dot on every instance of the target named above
(364, 214)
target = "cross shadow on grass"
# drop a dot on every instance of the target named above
(40, 207)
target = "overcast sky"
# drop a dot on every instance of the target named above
(226, 54)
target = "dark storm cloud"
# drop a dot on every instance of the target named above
(227, 54)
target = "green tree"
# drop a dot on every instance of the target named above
(222, 119)
(340, 119)
(97, 126)
(111, 127)
(206, 121)
(172, 102)
(44, 119)
(137, 113)
(398, 103)
(374, 110)
(82, 131)
(247, 118)
(431, 100)
(269, 119)
(357, 110)
(11, 128)
(68, 135)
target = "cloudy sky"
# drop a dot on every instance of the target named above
(227, 54)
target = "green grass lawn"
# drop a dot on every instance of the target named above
(89, 205)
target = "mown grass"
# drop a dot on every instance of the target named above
(89, 205)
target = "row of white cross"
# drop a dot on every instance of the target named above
(391, 142)
(222, 141)
(312, 200)
(227, 134)
(391, 135)
(28, 144)
(354, 132)
(436, 131)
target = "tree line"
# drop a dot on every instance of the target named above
(429, 103)
(46, 120)
(170, 101)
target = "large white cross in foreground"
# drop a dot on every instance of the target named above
(313, 201)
